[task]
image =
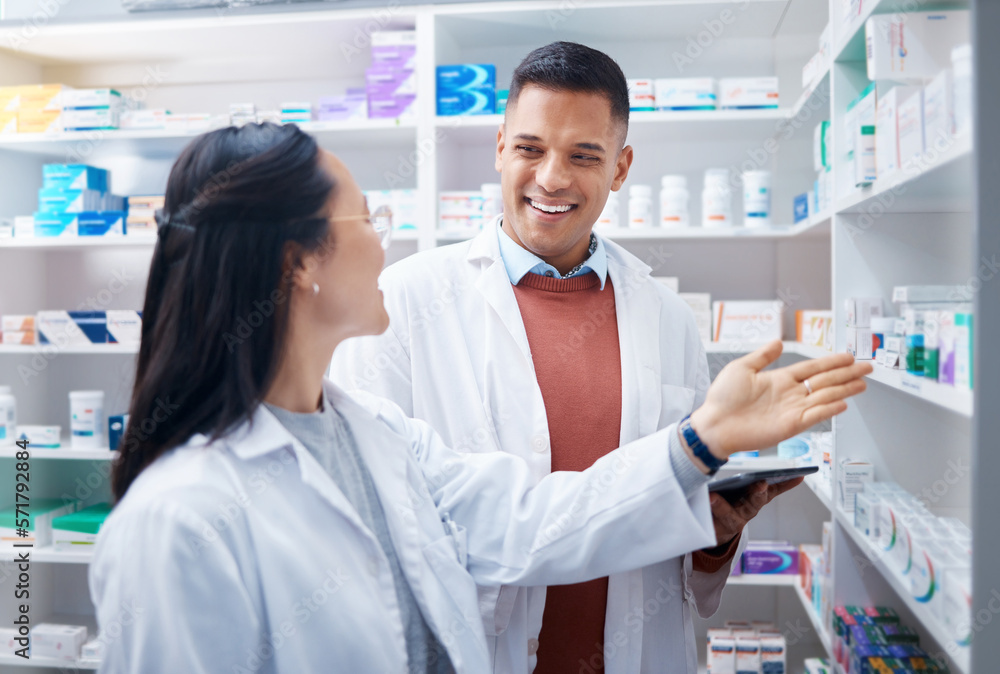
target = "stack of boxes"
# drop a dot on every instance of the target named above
(91, 109)
(860, 311)
(142, 214)
(296, 112)
(742, 647)
(390, 82)
(404, 204)
(350, 107)
(17, 329)
(33, 108)
(75, 200)
(699, 93)
(466, 89)
(872, 640)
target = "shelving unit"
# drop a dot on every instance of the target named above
(918, 227)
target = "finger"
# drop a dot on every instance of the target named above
(720, 507)
(840, 376)
(780, 488)
(819, 413)
(835, 393)
(763, 356)
(810, 368)
(755, 499)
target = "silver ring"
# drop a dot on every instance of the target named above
(809, 389)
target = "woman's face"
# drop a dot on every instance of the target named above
(349, 303)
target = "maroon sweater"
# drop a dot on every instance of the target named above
(573, 334)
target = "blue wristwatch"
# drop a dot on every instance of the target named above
(698, 447)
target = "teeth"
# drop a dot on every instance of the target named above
(550, 209)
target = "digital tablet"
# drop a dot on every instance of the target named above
(733, 488)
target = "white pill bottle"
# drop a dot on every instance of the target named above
(86, 419)
(640, 206)
(8, 416)
(757, 198)
(716, 200)
(674, 198)
(609, 218)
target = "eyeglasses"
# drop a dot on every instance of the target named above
(381, 222)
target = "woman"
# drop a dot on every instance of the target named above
(267, 522)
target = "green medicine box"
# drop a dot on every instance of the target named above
(81, 527)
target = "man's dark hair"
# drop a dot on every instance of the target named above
(568, 66)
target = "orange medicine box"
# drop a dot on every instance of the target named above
(16, 337)
(17, 323)
(39, 121)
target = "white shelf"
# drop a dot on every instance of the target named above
(941, 182)
(61, 665)
(819, 88)
(644, 127)
(162, 143)
(949, 397)
(90, 349)
(816, 227)
(50, 555)
(63, 452)
(78, 242)
(824, 636)
(763, 580)
(789, 347)
(920, 611)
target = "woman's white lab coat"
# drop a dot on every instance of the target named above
(456, 355)
(243, 556)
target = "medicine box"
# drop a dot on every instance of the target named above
(386, 79)
(939, 110)
(18, 337)
(391, 106)
(685, 93)
(748, 93)
(62, 642)
(15, 323)
(8, 123)
(746, 321)
(79, 528)
(773, 654)
(801, 207)
(74, 177)
(91, 98)
(722, 654)
(44, 437)
(641, 95)
(747, 655)
(124, 326)
(58, 200)
(851, 480)
(460, 212)
(56, 224)
(41, 97)
(814, 328)
(941, 293)
(102, 223)
(351, 106)
(144, 119)
(72, 328)
(39, 121)
(913, 46)
(886, 129)
(395, 48)
(37, 522)
(117, 423)
(88, 119)
(466, 89)
(8, 641)
(822, 159)
(911, 131)
(774, 559)
(701, 305)
(860, 310)
(860, 343)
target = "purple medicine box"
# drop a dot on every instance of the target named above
(389, 80)
(773, 559)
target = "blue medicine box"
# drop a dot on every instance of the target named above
(102, 223)
(74, 177)
(56, 224)
(60, 200)
(116, 430)
(466, 89)
(52, 324)
(801, 207)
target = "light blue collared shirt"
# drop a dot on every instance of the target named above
(520, 261)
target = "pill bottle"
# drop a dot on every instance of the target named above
(8, 416)
(492, 200)
(757, 198)
(609, 216)
(674, 199)
(640, 206)
(86, 419)
(716, 200)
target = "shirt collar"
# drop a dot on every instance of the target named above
(519, 261)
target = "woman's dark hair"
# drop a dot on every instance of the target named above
(241, 205)
(568, 66)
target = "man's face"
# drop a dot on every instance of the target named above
(559, 153)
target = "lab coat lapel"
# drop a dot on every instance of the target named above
(637, 307)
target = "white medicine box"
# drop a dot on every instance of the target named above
(911, 131)
(62, 642)
(886, 129)
(744, 322)
(913, 46)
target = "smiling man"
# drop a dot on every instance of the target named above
(541, 339)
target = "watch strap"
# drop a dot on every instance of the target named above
(698, 448)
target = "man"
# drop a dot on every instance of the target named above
(542, 339)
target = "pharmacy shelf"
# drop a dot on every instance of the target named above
(59, 243)
(789, 348)
(763, 580)
(821, 632)
(644, 127)
(940, 182)
(50, 555)
(818, 91)
(849, 40)
(817, 227)
(920, 611)
(64, 452)
(822, 493)
(50, 349)
(54, 663)
(367, 133)
(951, 398)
